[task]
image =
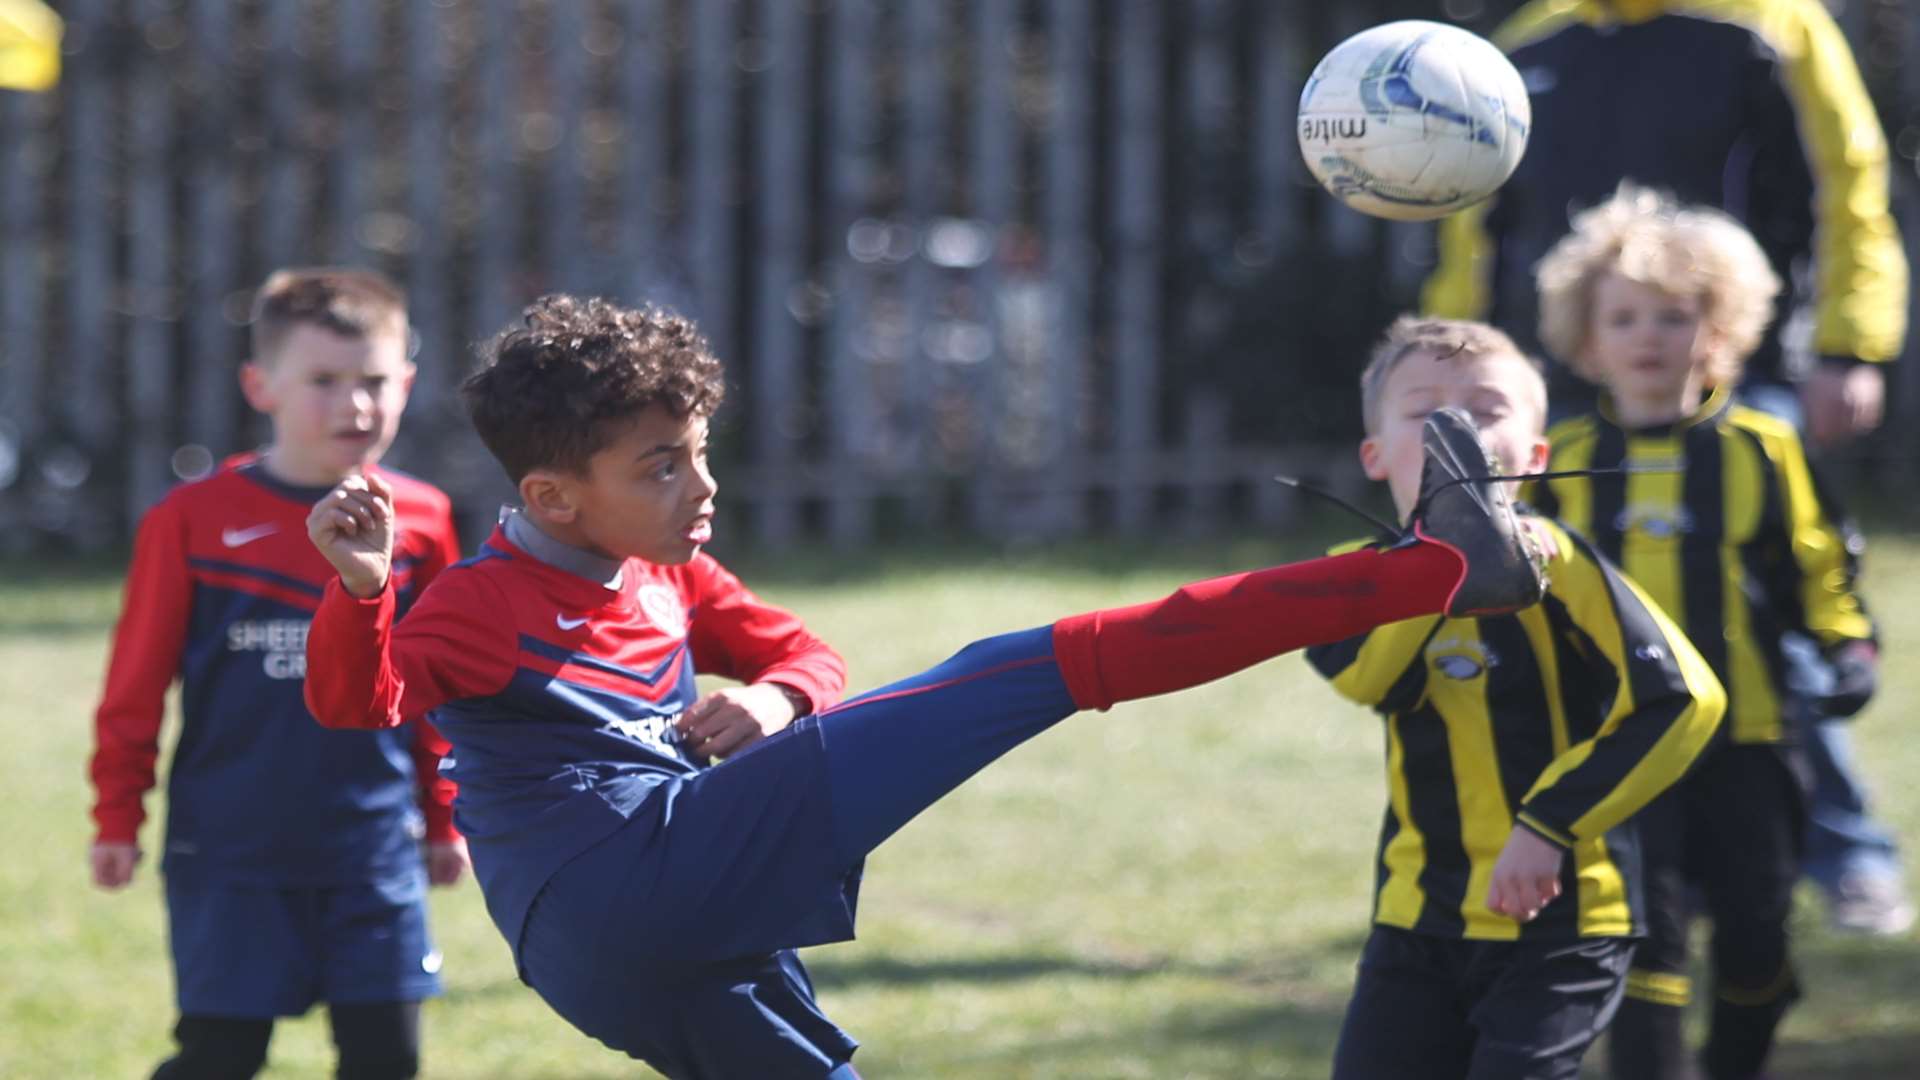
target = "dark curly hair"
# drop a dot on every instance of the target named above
(558, 388)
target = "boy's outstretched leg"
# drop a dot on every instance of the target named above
(896, 751)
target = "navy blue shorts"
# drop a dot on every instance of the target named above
(670, 940)
(260, 952)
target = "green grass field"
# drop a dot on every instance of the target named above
(1178, 888)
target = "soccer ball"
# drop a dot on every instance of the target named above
(1413, 120)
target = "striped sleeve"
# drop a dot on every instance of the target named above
(1861, 287)
(1831, 609)
(1664, 713)
(1460, 285)
(1381, 669)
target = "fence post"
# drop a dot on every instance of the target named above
(849, 376)
(213, 389)
(1070, 251)
(155, 299)
(284, 217)
(778, 394)
(495, 290)
(23, 351)
(927, 194)
(713, 195)
(572, 260)
(1137, 259)
(995, 162)
(643, 186)
(428, 263)
(89, 411)
(353, 152)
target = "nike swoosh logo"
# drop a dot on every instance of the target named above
(570, 624)
(234, 538)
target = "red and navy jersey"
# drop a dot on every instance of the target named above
(557, 693)
(223, 586)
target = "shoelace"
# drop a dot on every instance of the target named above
(1390, 532)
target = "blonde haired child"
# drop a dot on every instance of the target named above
(1715, 512)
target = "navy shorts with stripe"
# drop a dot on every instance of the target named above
(671, 940)
(260, 952)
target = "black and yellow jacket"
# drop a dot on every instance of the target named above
(1721, 521)
(1754, 106)
(1566, 717)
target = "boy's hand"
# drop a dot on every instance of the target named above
(1526, 876)
(1856, 675)
(1843, 399)
(113, 863)
(739, 716)
(353, 527)
(447, 861)
(1544, 541)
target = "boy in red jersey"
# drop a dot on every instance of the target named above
(653, 900)
(292, 858)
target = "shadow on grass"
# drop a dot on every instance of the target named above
(57, 629)
(1280, 970)
(1879, 1057)
(1851, 982)
(1300, 1035)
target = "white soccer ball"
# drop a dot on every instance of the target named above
(1413, 120)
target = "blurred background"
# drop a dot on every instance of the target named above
(1019, 269)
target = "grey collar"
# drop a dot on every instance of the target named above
(525, 535)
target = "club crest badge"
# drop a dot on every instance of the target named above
(663, 609)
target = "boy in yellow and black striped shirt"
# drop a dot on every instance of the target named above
(1518, 748)
(1716, 513)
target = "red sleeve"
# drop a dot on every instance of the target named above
(146, 657)
(737, 635)
(442, 549)
(365, 672)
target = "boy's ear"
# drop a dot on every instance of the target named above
(1539, 455)
(549, 495)
(253, 386)
(1370, 459)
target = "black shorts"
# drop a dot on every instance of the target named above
(1729, 834)
(1450, 1009)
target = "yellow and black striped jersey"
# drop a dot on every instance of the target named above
(1719, 518)
(1566, 718)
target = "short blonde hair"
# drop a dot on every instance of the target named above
(1452, 339)
(347, 301)
(1648, 238)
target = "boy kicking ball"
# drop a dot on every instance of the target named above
(650, 898)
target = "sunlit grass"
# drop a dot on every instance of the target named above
(1175, 888)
